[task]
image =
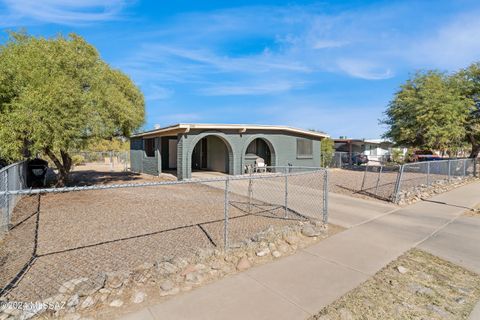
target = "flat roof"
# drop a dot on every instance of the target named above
(242, 128)
(370, 141)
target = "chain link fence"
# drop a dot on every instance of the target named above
(12, 177)
(425, 174)
(102, 161)
(65, 234)
(380, 181)
(388, 182)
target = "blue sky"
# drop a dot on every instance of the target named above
(329, 65)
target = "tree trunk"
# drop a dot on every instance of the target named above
(475, 150)
(63, 166)
(475, 145)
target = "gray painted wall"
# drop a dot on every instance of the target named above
(284, 151)
(217, 159)
(139, 162)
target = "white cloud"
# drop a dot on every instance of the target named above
(269, 49)
(69, 12)
(454, 45)
(155, 92)
(364, 69)
(249, 89)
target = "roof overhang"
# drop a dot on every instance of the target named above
(240, 128)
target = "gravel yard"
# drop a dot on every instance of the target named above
(373, 184)
(84, 233)
(417, 285)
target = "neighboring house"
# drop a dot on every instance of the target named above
(376, 150)
(227, 148)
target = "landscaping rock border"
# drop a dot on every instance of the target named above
(423, 191)
(84, 297)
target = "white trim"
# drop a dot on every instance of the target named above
(242, 128)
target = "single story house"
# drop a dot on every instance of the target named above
(227, 148)
(377, 150)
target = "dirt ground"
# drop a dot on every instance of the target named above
(95, 174)
(427, 288)
(351, 181)
(83, 233)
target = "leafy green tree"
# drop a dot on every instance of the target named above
(468, 80)
(327, 151)
(57, 95)
(429, 112)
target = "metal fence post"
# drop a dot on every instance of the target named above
(325, 197)
(7, 198)
(364, 177)
(225, 211)
(286, 193)
(475, 167)
(398, 184)
(378, 179)
(250, 190)
(428, 173)
(449, 167)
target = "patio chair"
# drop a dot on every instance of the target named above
(260, 165)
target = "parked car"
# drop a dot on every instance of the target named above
(356, 159)
(424, 155)
(359, 159)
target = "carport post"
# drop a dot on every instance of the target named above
(286, 193)
(225, 210)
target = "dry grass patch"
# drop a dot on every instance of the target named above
(475, 212)
(417, 285)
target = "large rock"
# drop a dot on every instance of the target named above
(90, 286)
(167, 285)
(115, 280)
(116, 303)
(309, 230)
(291, 239)
(88, 302)
(138, 297)
(166, 268)
(69, 286)
(73, 301)
(262, 252)
(243, 264)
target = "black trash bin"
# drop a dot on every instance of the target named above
(36, 173)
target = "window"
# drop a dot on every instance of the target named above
(304, 148)
(149, 146)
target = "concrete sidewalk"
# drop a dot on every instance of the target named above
(300, 285)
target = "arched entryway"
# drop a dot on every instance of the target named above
(212, 153)
(259, 148)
